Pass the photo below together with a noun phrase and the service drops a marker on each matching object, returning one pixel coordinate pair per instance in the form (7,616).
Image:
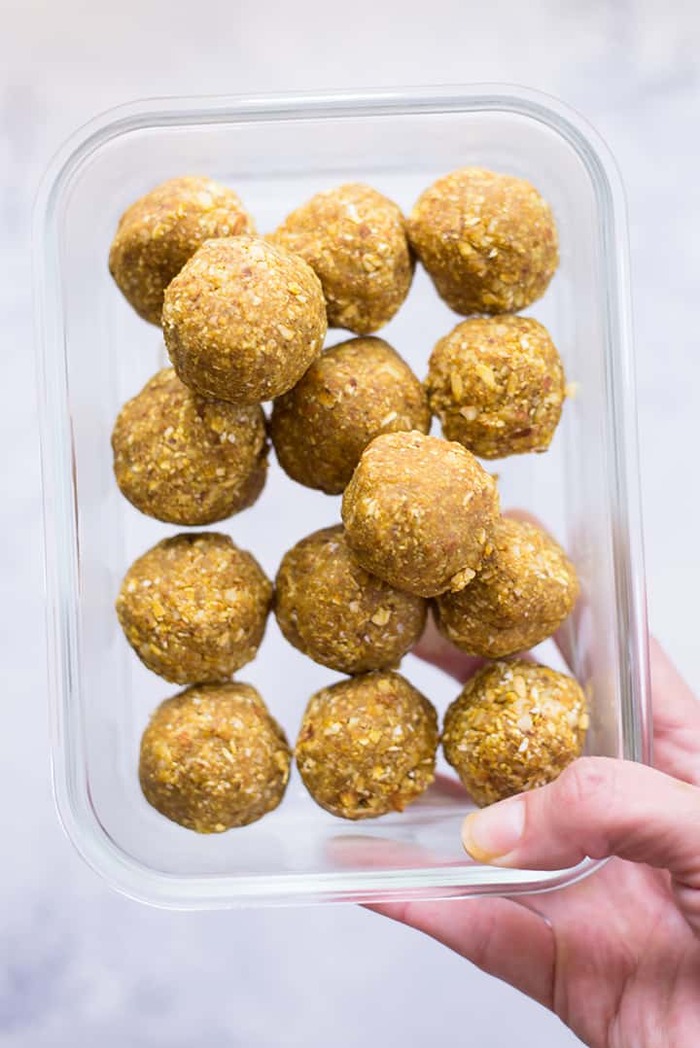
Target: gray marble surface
(80,965)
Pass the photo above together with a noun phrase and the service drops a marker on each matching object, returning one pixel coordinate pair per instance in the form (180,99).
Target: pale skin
(616,956)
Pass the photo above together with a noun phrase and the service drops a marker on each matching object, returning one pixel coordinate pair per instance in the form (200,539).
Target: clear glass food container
(95,353)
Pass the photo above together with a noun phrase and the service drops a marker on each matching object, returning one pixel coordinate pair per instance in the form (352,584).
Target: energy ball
(213,758)
(367,746)
(157,235)
(419,513)
(331,609)
(488,241)
(497,385)
(186,460)
(194,608)
(355,240)
(526,588)
(350,394)
(243,320)
(515,726)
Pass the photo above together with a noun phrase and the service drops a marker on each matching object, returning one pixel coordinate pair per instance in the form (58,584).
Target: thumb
(598,807)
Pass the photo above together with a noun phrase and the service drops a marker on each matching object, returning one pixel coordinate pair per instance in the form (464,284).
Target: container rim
(61,565)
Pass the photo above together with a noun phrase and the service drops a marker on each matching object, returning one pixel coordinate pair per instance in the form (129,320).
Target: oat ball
(515,725)
(526,588)
(213,758)
(488,241)
(350,394)
(355,240)
(158,233)
(419,512)
(338,614)
(497,385)
(243,320)
(194,608)
(184,459)
(367,746)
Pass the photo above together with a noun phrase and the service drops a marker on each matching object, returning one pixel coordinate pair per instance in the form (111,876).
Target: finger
(598,807)
(525,517)
(676,715)
(497,935)
(435,649)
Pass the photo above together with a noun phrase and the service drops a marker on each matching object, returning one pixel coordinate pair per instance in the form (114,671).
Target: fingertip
(492,835)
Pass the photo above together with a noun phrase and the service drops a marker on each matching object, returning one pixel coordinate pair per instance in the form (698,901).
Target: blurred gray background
(78,964)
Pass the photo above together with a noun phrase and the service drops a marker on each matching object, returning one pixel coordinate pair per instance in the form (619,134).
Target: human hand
(616,956)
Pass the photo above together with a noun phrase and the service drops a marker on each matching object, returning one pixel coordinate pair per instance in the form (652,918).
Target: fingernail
(491,834)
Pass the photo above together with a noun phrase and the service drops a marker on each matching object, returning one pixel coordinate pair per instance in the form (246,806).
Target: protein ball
(351,394)
(157,235)
(213,758)
(355,240)
(184,459)
(194,608)
(367,746)
(497,385)
(243,320)
(515,726)
(419,512)
(488,241)
(526,588)
(338,614)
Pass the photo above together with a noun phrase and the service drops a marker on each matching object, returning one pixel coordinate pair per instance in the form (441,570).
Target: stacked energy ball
(244,319)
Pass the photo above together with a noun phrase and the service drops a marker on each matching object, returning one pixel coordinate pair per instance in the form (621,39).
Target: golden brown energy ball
(350,394)
(367,746)
(419,512)
(355,240)
(213,758)
(194,608)
(497,385)
(338,614)
(243,320)
(158,233)
(526,588)
(184,459)
(516,725)
(488,241)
